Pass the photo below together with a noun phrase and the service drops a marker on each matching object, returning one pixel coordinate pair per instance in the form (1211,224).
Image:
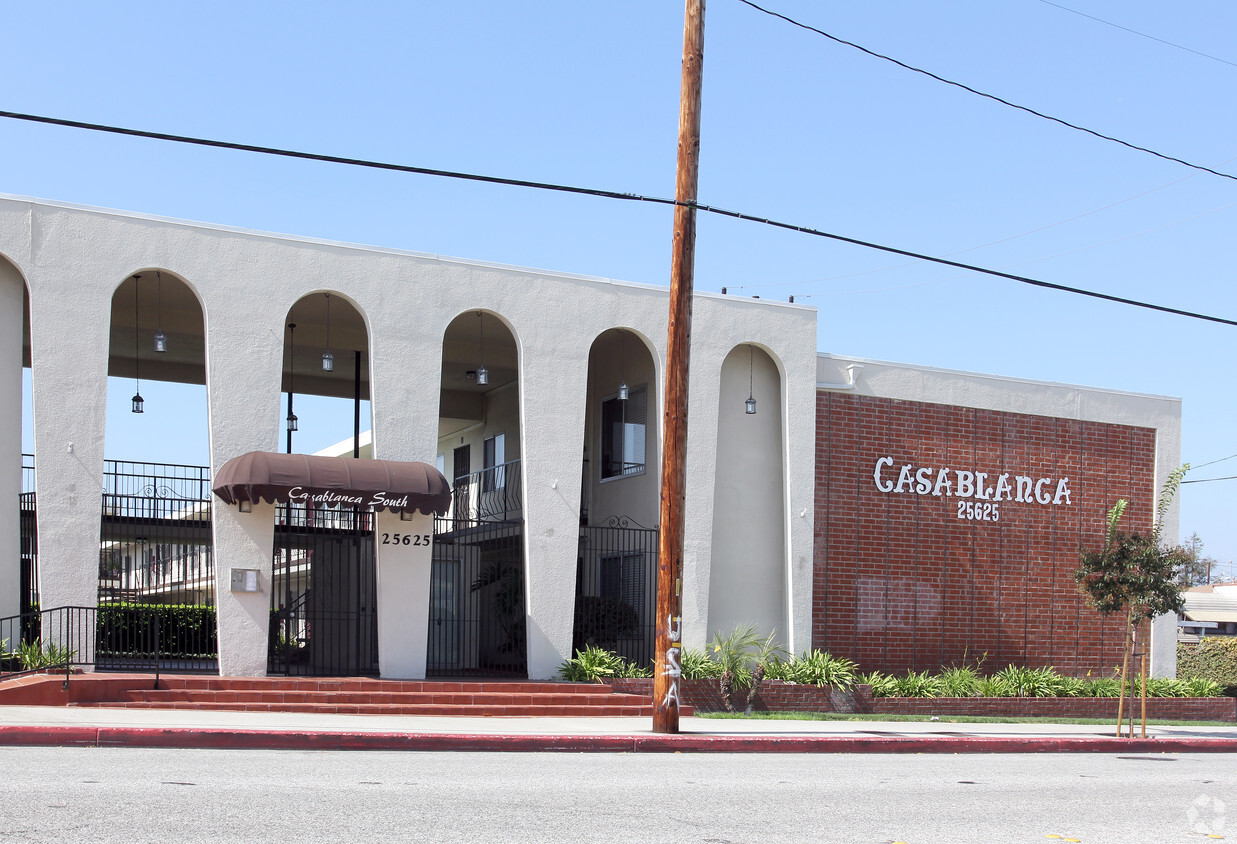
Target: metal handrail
(492,494)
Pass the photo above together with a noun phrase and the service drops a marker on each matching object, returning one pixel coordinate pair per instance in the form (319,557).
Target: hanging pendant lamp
(328,359)
(137,403)
(483,374)
(161,340)
(750,404)
(622,388)
(291,420)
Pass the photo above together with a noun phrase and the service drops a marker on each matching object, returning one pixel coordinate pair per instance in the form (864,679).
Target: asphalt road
(136,795)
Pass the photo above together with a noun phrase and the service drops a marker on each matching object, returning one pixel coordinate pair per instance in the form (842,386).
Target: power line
(1140,34)
(1209,480)
(993,97)
(607,194)
(1212,462)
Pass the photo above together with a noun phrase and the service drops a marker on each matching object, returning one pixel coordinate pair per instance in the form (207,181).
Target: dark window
(623,435)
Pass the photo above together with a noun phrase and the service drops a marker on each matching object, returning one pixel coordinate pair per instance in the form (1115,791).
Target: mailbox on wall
(245,580)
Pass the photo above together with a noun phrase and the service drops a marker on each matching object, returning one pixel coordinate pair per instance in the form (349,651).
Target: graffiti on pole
(673,668)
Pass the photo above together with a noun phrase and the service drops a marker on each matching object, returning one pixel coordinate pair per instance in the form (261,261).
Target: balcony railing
(491,495)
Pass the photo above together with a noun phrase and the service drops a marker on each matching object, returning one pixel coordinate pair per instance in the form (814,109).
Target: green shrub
(1030,682)
(602,621)
(883,685)
(590,665)
(185,630)
(1200,687)
(34,655)
(1213,658)
(1103,687)
(696,665)
(815,668)
(958,682)
(913,684)
(593,664)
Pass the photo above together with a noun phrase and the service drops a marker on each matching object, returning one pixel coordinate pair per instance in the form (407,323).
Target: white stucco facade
(72,260)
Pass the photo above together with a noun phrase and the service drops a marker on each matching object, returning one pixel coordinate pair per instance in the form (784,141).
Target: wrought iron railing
(491,495)
(47,641)
(170,481)
(156,566)
(616,589)
(27,473)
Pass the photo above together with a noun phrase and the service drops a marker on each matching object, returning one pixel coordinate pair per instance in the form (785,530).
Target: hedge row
(1212,658)
(129,630)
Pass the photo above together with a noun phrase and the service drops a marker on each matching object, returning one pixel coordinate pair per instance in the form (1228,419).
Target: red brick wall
(901,582)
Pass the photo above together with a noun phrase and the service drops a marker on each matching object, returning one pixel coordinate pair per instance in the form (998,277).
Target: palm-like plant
(731,653)
(764,655)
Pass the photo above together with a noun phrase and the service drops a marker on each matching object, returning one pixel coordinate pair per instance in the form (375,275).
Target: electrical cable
(1209,480)
(993,97)
(1140,34)
(1212,462)
(607,194)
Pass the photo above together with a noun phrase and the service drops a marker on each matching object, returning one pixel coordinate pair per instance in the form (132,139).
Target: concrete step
(351,695)
(542,698)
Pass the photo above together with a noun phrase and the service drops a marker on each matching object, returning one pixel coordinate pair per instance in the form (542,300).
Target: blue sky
(795,127)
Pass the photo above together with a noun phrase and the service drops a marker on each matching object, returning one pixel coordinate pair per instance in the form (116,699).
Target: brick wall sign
(947,535)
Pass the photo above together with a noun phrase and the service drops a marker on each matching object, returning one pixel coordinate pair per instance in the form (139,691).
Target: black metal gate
(323,598)
(477,615)
(156,568)
(29,531)
(616,589)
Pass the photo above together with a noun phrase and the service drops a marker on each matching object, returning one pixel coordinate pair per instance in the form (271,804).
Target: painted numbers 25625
(405,539)
(979,512)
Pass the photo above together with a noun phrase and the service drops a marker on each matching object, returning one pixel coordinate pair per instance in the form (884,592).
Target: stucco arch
(14,354)
(163,300)
(327,322)
(750,584)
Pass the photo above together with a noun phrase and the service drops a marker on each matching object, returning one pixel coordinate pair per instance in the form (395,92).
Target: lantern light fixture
(137,405)
(328,359)
(483,374)
(161,340)
(623,392)
(750,404)
(291,420)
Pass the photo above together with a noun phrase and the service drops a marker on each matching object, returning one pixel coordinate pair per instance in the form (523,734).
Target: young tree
(1135,575)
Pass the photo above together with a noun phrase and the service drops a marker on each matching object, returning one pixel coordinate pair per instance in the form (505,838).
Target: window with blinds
(623,434)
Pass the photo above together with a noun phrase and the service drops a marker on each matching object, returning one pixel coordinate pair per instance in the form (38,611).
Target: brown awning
(333,482)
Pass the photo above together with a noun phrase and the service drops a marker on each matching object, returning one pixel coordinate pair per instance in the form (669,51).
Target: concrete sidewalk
(102,727)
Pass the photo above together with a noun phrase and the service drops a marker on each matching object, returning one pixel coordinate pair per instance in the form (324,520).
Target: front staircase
(351,696)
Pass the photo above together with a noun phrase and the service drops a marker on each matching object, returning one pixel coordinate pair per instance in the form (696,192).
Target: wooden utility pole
(667,672)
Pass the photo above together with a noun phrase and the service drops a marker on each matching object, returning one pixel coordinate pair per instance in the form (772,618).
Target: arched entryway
(616,571)
(324,618)
(157,589)
(748,585)
(18,574)
(478,608)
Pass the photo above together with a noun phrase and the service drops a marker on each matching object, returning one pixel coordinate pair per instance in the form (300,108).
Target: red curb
(49,736)
(305,740)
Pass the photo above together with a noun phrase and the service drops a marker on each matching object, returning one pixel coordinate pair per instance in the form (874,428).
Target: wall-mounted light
(407,515)
(161,340)
(750,405)
(328,359)
(244,506)
(483,374)
(137,403)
